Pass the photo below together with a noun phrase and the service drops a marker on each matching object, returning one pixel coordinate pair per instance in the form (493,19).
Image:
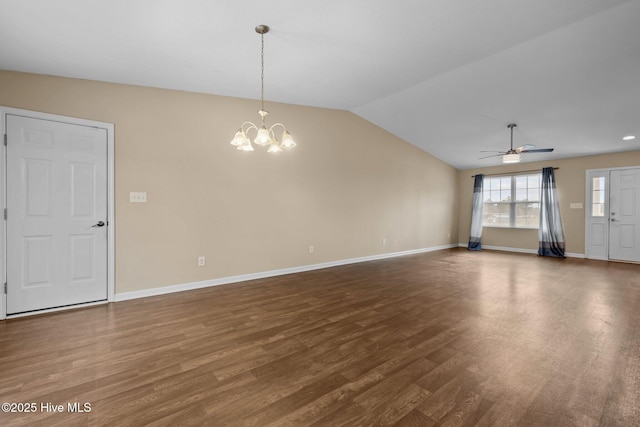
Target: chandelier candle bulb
(265,136)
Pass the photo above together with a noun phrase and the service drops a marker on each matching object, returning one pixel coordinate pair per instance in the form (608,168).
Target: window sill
(510,228)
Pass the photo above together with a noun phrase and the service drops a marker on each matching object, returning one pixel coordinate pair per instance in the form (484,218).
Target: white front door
(624,215)
(56,203)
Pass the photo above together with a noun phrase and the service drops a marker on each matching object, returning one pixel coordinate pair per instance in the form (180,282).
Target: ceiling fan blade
(493,155)
(493,151)
(539,150)
(524,148)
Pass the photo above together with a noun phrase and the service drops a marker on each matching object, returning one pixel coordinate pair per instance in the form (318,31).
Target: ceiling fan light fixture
(511,158)
(629,138)
(513,155)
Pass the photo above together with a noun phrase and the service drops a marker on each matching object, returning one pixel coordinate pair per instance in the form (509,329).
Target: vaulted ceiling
(444,75)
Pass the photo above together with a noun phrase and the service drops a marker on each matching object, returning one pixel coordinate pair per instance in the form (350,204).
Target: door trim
(587,235)
(109,128)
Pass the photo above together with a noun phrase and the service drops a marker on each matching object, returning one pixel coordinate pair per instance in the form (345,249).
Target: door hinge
(5,214)
(5,139)
(5,287)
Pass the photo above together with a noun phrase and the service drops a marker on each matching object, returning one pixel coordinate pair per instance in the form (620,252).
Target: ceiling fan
(513,154)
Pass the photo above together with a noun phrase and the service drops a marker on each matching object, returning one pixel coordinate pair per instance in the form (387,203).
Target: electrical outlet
(311,249)
(384,242)
(201,261)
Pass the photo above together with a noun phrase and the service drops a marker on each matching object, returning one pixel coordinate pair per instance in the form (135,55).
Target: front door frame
(109,127)
(591,173)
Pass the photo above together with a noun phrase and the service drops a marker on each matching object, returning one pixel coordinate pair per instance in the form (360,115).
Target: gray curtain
(550,234)
(476,215)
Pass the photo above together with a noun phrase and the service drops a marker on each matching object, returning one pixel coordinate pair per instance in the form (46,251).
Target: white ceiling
(444,75)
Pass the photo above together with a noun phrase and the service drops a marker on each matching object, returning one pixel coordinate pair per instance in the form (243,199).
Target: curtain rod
(513,173)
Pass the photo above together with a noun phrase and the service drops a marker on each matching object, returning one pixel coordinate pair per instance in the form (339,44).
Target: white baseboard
(598,258)
(124,296)
(520,250)
(574,255)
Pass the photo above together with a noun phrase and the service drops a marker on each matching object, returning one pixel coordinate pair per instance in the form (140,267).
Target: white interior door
(56,201)
(624,215)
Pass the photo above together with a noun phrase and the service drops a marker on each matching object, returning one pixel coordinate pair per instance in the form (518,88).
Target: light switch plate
(138,197)
(575,205)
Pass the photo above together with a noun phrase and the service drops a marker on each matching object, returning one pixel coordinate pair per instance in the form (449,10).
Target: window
(512,201)
(597,196)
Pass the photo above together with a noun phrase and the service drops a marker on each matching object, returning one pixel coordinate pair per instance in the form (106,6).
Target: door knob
(98,224)
(614,220)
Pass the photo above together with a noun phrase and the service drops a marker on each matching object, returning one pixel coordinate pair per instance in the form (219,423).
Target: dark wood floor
(444,338)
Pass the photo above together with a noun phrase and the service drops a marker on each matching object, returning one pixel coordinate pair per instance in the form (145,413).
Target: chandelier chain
(262,72)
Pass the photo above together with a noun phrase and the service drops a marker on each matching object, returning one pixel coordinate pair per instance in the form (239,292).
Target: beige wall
(570,182)
(348,184)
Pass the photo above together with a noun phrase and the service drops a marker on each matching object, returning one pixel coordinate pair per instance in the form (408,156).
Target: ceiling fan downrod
(511,126)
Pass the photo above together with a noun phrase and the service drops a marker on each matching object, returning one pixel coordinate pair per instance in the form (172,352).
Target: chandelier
(264,136)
